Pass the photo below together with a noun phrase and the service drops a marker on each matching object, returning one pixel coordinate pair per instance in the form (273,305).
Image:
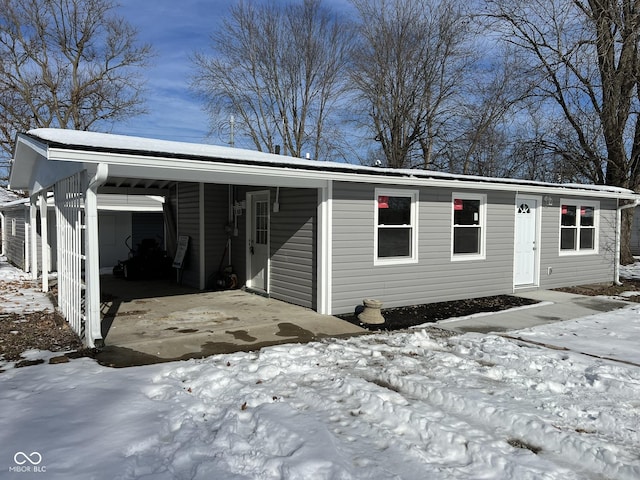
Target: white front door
(526,257)
(258,240)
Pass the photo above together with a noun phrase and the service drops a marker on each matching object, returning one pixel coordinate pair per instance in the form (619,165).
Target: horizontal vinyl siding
(216,210)
(293,242)
(435,277)
(16,243)
(188,220)
(569,270)
(635,232)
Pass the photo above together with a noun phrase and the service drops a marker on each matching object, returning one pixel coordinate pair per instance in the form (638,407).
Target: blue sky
(176,29)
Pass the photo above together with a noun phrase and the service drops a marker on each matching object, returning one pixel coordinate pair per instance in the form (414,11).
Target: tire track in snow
(444,443)
(387,406)
(481,411)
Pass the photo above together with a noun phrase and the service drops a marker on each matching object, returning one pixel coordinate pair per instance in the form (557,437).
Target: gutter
(616,267)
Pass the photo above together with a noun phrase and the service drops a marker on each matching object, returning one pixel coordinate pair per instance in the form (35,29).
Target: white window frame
(413,195)
(482,254)
(13,227)
(595,204)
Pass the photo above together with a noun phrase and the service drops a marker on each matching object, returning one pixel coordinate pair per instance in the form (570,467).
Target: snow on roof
(123,144)
(7,196)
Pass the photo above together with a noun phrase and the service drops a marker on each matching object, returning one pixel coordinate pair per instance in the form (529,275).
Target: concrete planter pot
(371,313)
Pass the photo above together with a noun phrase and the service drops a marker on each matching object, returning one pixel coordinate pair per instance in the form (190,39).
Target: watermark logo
(21,458)
(28,463)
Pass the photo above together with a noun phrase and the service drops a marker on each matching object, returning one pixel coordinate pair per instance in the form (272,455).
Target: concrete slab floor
(155,321)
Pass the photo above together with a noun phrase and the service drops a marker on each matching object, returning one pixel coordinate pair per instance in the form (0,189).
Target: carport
(225,200)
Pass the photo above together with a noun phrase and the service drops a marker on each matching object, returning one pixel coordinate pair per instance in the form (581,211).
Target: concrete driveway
(154,321)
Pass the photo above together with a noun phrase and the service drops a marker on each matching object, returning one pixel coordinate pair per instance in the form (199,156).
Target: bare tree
(584,57)
(278,68)
(480,139)
(408,65)
(68,64)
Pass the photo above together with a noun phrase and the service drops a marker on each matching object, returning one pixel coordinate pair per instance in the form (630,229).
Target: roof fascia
(27,151)
(166,167)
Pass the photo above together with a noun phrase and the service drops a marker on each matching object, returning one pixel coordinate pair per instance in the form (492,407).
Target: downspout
(616,268)
(92,262)
(3,228)
(44,241)
(33,237)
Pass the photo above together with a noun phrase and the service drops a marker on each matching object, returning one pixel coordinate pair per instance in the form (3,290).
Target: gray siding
(292,276)
(15,243)
(216,211)
(239,241)
(569,270)
(188,221)
(435,277)
(293,247)
(635,232)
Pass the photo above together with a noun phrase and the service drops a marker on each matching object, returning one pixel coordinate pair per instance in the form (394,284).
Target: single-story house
(322,235)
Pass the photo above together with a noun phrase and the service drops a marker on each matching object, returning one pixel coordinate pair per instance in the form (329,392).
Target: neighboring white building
(124,221)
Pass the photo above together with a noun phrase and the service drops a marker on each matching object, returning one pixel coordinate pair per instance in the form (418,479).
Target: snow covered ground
(400,405)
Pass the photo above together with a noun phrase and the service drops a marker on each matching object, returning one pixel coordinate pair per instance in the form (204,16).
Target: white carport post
(92,260)
(324,249)
(33,237)
(44,238)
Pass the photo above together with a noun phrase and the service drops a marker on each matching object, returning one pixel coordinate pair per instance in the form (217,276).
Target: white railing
(69,200)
